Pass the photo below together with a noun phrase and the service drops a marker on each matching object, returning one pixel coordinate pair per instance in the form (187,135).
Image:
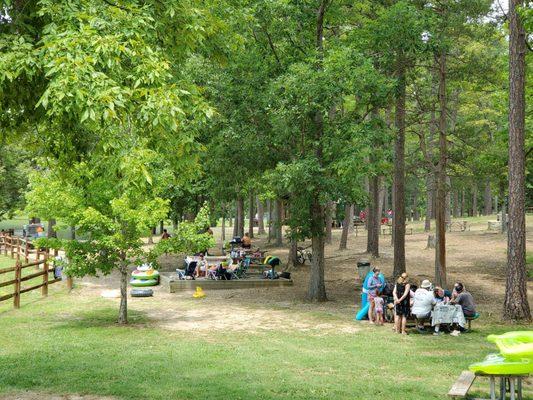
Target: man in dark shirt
(465,300)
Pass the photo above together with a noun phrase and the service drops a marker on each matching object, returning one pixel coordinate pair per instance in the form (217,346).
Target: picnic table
(461,225)
(448,314)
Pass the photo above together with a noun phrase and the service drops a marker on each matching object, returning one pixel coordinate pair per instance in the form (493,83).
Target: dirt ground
(476,257)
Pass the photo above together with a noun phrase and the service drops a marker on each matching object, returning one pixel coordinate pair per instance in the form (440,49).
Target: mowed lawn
(69,343)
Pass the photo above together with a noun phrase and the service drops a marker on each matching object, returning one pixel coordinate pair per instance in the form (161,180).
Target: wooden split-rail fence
(21,249)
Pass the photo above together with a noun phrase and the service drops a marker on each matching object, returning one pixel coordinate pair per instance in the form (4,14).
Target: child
(378,307)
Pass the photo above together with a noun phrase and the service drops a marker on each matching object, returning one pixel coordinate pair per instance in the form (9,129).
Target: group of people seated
(408,300)
(198,265)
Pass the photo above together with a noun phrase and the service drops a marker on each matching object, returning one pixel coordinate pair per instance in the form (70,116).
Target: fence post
(12,247)
(70,283)
(18,273)
(44,289)
(5,245)
(26,251)
(18,248)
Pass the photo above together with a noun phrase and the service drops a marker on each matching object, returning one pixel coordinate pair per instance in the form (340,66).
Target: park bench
(494,225)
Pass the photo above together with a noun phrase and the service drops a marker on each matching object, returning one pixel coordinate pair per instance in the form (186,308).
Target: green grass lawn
(68,343)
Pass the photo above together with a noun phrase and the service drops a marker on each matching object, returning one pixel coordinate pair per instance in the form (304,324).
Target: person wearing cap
(423,303)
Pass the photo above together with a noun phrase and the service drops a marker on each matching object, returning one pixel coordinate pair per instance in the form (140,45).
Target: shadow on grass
(100,318)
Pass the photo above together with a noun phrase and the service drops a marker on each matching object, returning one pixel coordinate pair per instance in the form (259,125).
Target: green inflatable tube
(514,345)
(144,275)
(495,364)
(143,282)
(516,356)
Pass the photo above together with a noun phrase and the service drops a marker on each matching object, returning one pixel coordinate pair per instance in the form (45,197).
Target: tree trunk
(367,190)
(487,198)
(330,210)
(270,231)
(429,201)
(293,253)
(474,200)
(351,227)
(236,222)
(372,244)
(317,287)
(279,223)
(223,234)
(416,212)
(516,305)
(72,235)
(348,220)
(251,214)
(260,218)
(448,199)
(399,172)
(382,194)
(463,202)
(385,196)
(504,216)
(440,248)
(456,205)
(51,233)
(161,227)
(496,204)
(123,309)
(240,214)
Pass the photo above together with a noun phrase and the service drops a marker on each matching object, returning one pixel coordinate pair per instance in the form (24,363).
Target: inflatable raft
(516,356)
(147,274)
(143,282)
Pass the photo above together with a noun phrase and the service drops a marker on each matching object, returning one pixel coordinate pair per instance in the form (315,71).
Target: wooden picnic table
(462,225)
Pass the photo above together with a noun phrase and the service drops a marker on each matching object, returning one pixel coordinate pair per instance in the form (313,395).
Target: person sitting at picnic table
(423,303)
(246,241)
(401,303)
(165,234)
(465,300)
(374,287)
(441,297)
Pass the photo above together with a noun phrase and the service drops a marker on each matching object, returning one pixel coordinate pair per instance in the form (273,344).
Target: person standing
(401,294)
(373,289)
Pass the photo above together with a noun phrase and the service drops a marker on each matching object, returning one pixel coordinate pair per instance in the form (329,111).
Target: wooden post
(44,289)
(5,245)
(26,252)
(16,297)
(70,284)
(12,247)
(37,256)
(18,248)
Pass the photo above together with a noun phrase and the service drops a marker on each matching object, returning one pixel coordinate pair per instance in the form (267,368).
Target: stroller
(388,300)
(189,270)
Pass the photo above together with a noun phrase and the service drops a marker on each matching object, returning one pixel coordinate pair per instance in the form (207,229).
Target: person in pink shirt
(378,308)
